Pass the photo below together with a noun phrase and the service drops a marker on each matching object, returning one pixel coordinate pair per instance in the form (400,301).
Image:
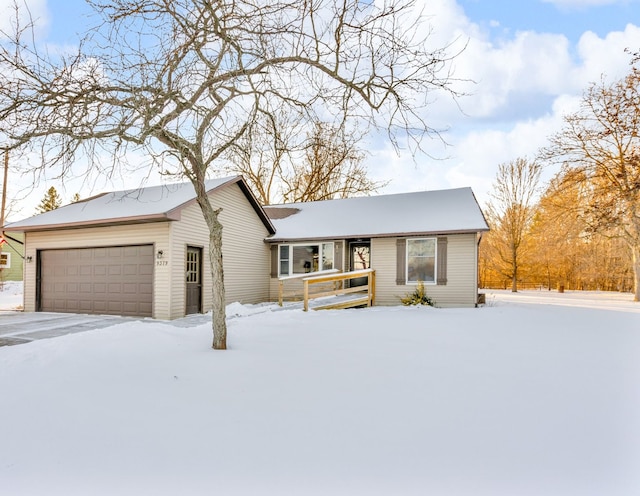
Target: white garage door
(113,280)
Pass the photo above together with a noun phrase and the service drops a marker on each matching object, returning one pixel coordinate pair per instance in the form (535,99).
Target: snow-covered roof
(425,212)
(148,204)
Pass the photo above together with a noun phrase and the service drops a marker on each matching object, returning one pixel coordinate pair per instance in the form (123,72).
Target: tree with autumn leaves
(584,232)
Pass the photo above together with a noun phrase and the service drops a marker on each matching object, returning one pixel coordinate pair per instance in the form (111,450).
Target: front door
(359,259)
(194,280)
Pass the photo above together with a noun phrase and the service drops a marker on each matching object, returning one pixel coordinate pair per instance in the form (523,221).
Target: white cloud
(525,84)
(29,11)
(606,56)
(525,68)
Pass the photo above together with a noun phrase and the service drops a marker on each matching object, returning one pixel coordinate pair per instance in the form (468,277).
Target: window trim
(319,245)
(435,261)
(7,264)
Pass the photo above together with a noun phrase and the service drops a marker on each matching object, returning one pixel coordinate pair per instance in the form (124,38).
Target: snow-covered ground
(11,295)
(525,396)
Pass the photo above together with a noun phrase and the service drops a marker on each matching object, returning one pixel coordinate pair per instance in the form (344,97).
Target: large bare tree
(288,162)
(186,79)
(510,213)
(599,147)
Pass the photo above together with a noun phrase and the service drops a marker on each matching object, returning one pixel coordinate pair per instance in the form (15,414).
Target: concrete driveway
(20,327)
(23,327)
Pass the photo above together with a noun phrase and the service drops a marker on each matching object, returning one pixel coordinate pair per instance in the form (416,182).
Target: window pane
(421,269)
(421,260)
(284,267)
(284,260)
(421,247)
(305,259)
(327,256)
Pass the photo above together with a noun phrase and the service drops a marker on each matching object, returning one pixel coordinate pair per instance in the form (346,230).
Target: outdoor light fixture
(159,255)
(29,259)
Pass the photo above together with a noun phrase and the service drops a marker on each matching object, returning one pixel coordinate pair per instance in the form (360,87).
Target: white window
(421,260)
(5,260)
(302,259)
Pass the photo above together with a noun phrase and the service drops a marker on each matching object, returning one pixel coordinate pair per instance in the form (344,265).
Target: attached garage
(145,252)
(112,280)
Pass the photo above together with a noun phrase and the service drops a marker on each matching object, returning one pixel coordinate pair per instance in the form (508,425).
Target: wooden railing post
(372,283)
(280,291)
(306,295)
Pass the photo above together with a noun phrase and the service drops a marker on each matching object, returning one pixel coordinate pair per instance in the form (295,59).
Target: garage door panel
(130,269)
(145,289)
(106,280)
(146,270)
(85,306)
(130,288)
(99,306)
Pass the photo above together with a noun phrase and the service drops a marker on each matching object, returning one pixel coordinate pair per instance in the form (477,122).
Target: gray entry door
(194,280)
(111,280)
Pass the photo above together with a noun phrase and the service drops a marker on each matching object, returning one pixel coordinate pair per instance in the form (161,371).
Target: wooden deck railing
(293,295)
(334,279)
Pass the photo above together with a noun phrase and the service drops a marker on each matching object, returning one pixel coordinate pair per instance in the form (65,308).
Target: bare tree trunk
(514,279)
(635,258)
(219,318)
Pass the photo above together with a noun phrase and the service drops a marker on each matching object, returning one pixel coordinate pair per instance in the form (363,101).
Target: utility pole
(4,186)
(4,204)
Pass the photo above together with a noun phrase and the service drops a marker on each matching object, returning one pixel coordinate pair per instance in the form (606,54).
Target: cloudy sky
(529,61)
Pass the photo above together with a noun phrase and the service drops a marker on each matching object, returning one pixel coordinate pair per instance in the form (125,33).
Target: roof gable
(426,212)
(134,206)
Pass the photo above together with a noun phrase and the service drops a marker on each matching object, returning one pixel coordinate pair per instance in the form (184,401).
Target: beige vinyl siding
(246,259)
(461,288)
(190,230)
(292,287)
(153,233)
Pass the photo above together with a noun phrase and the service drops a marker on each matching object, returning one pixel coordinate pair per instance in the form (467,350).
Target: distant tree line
(583,232)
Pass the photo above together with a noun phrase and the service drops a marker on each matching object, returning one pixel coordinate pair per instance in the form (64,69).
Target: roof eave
(276,239)
(141,219)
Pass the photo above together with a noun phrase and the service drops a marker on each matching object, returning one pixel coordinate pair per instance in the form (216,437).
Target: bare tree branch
(187,79)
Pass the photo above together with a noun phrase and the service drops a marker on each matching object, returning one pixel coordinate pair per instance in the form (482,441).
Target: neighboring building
(429,236)
(144,252)
(11,256)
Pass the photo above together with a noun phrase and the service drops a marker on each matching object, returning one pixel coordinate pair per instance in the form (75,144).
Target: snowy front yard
(526,396)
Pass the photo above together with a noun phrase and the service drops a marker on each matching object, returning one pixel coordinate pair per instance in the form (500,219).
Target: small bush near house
(418,297)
